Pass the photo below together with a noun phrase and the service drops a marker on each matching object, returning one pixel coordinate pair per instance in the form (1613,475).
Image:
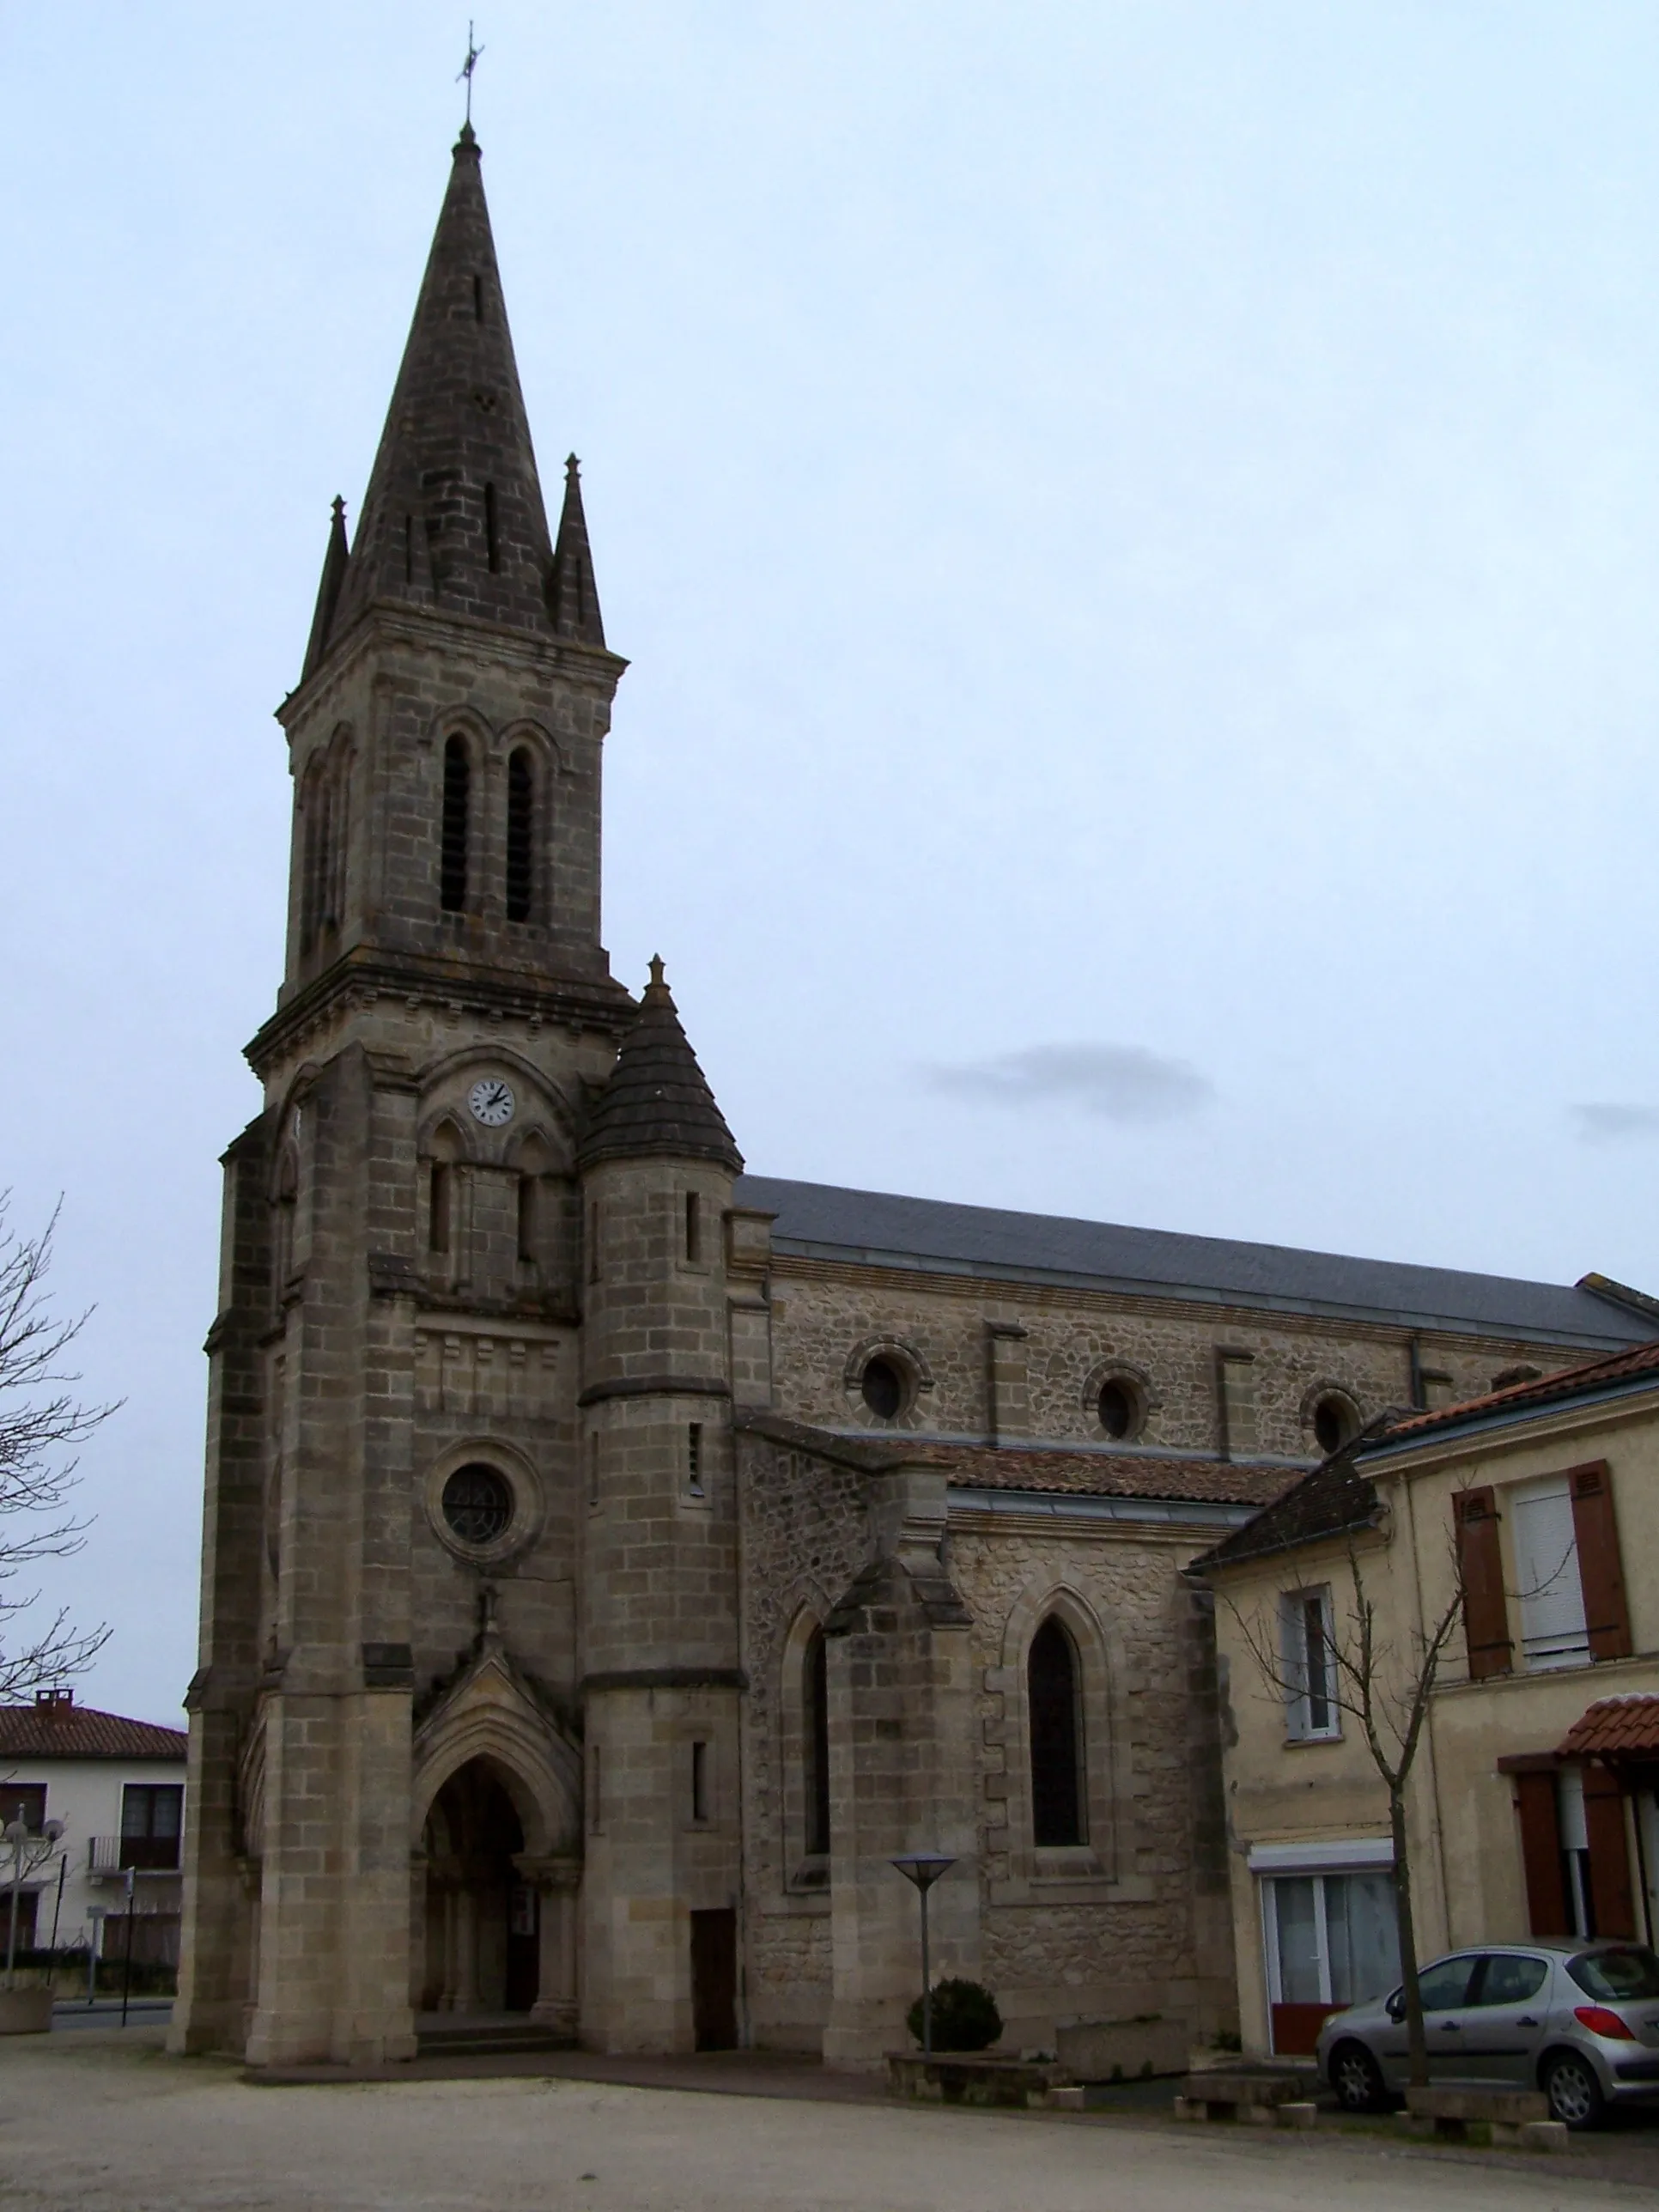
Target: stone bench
(957,2078)
(1519,2119)
(1261,2097)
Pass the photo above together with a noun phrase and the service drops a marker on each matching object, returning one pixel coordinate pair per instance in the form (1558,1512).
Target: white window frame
(1293,1605)
(1547,1651)
(1271,1864)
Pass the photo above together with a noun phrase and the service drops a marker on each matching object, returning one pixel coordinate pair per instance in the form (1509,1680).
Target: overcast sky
(1136,527)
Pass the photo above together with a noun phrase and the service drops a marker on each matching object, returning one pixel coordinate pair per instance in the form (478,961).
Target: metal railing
(145,1854)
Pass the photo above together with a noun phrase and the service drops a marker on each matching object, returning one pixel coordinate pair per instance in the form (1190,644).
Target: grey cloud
(1119,1082)
(1611,1125)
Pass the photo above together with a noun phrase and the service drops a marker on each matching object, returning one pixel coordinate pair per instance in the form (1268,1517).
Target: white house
(118,1788)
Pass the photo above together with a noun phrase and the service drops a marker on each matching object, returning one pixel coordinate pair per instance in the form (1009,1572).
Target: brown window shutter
(1600,1569)
(1604,1823)
(1541,1854)
(1486,1609)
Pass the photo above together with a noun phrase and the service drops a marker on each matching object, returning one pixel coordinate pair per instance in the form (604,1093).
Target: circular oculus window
(1119,1407)
(479,1503)
(882,1386)
(1332,1423)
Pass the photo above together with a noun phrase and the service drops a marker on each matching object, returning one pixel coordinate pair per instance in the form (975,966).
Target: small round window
(1332,1423)
(1119,1407)
(882,1386)
(477,1503)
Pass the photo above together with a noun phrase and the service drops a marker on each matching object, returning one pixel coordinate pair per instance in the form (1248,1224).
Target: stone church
(613,1559)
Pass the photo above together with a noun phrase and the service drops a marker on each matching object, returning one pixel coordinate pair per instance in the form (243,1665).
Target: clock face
(491,1101)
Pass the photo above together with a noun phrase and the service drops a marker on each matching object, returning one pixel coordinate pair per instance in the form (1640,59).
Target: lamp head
(923,1867)
(16,1832)
(53,1831)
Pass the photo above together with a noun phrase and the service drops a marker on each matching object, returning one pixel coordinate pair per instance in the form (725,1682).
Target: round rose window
(477,1503)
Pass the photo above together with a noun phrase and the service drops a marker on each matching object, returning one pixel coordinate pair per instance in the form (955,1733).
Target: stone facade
(604,1579)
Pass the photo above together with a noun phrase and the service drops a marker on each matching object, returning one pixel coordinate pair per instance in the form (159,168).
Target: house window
(1056,1775)
(1332,1940)
(693,1227)
(815,1737)
(1310,1706)
(25,1801)
(152,1817)
(1554,1629)
(694,1458)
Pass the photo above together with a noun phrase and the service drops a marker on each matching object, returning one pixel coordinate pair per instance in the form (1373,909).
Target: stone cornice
(395,621)
(368,972)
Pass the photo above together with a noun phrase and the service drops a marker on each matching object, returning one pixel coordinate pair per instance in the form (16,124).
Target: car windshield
(1630,1972)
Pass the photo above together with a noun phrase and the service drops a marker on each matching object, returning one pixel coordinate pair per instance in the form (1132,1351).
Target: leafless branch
(41,1421)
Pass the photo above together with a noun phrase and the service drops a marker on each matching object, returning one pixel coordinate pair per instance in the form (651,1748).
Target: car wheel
(1575,2095)
(1356,2079)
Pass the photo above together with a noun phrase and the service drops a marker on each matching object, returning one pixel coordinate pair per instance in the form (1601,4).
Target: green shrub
(965,2017)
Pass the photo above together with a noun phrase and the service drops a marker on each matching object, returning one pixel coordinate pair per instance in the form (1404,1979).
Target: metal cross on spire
(467,68)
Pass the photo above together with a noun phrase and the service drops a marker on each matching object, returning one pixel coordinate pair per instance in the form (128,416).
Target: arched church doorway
(483,1934)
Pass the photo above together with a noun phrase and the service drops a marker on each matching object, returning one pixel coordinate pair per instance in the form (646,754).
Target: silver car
(1578,2021)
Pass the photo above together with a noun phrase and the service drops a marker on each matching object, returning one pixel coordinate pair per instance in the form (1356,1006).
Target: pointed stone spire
(328,590)
(454,516)
(657,1103)
(573,597)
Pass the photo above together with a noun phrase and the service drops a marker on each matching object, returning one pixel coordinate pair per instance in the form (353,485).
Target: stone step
(489,2039)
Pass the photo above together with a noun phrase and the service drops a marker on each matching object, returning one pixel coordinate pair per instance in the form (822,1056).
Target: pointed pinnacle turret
(454,516)
(573,597)
(328,590)
(657,1103)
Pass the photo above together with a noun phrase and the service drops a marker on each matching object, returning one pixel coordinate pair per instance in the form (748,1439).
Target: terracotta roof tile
(1615,1727)
(1050,1469)
(1329,1500)
(1639,1363)
(66,1731)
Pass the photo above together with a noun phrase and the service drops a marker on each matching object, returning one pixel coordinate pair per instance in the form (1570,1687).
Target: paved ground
(106,2124)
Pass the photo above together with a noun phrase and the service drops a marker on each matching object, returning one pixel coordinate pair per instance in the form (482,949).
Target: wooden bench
(1260,2096)
(1519,2119)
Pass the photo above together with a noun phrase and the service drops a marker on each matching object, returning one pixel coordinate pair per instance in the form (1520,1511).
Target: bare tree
(1384,1684)
(40,1422)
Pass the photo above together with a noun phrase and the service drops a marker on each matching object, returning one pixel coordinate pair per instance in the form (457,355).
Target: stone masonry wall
(823,1314)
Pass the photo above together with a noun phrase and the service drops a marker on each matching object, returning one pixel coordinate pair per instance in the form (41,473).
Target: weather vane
(467,68)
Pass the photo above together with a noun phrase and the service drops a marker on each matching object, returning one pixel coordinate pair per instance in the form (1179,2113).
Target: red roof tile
(66,1731)
(1081,1473)
(1640,1363)
(1615,1727)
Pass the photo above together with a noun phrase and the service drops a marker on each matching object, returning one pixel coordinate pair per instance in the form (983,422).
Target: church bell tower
(389,1738)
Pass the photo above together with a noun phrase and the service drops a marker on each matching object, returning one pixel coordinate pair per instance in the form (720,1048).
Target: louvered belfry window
(451,859)
(520,835)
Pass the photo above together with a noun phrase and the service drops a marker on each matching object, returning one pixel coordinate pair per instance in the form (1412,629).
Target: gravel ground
(106,2124)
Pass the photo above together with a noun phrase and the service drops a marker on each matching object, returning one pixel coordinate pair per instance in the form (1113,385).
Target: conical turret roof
(454,516)
(657,1103)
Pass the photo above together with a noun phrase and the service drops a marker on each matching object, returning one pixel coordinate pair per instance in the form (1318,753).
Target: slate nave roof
(881,1229)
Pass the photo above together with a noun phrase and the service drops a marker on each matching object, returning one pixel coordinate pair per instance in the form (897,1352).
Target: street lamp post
(924,1869)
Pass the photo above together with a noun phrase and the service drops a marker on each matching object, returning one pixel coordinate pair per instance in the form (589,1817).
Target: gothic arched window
(1051,1676)
(520,834)
(815,1741)
(452,856)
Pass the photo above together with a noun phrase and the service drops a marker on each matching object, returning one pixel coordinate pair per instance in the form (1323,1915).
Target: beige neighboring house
(117,1786)
(1531,1805)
